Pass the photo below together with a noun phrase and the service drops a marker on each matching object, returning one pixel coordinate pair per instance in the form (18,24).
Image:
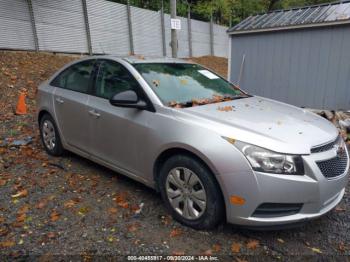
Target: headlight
(264,160)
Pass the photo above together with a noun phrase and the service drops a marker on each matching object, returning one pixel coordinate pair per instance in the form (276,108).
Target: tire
(198,215)
(48,127)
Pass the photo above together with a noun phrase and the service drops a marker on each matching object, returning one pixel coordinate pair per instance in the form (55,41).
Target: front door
(117,134)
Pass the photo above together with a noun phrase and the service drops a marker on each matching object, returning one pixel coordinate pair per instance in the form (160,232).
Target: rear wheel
(190,192)
(50,136)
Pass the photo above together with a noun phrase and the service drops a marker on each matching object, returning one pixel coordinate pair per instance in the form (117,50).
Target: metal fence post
(131,38)
(32,20)
(163,29)
(211,29)
(87,27)
(189,29)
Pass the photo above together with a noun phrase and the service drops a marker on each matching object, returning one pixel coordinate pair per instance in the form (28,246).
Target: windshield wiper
(240,96)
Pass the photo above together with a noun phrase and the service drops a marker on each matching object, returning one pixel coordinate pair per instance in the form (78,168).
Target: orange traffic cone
(21,104)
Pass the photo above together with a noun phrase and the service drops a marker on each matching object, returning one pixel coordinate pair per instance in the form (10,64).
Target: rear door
(71,96)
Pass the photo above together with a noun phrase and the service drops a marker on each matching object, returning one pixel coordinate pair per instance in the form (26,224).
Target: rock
(340,115)
(329,114)
(22,142)
(345,123)
(138,211)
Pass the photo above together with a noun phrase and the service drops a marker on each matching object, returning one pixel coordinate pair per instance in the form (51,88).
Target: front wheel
(190,192)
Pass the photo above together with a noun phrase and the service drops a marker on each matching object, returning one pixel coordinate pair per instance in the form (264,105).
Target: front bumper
(317,194)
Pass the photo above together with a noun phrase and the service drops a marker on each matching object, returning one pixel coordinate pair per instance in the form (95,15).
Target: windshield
(184,85)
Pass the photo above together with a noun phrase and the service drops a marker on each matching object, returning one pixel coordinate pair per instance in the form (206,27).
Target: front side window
(185,85)
(76,77)
(113,78)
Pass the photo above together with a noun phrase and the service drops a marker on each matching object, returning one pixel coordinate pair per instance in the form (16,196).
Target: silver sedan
(214,152)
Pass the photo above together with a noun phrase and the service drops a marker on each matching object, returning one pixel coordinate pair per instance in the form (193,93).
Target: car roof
(138,59)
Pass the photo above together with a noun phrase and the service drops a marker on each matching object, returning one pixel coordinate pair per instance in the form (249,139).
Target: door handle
(94,113)
(59,100)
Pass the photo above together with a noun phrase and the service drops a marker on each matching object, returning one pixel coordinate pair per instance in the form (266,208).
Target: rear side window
(113,78)
(76,77)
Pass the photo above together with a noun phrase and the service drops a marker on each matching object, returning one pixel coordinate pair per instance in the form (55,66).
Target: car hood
(266,123)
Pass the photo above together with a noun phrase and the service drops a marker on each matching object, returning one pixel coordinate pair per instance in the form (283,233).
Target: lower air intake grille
(277,209)
(333,167)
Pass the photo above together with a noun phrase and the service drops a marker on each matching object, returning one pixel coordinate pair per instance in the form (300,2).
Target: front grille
(326,147)
(277,209)
(333,167)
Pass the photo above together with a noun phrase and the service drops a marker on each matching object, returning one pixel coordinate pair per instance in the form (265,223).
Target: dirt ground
(69,206)
(217,64)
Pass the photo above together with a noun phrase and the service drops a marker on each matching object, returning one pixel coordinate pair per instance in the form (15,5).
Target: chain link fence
(99,26)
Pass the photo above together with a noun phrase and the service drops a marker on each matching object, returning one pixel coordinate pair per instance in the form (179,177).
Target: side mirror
(129,99)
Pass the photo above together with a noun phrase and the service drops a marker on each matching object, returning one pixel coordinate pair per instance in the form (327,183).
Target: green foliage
(225,12)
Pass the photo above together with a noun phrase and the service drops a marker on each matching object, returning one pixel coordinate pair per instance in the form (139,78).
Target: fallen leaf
(7,244)
(52,197)
(216,247)
(280,240)
(41,204)
(112,210)
(156,82)
(2,220)
(166,220)
(208,252)
(110,239)
(316,250)
(225,108)
(175,232)
(21,217)
(83,211)
(236,247)
(132,228)
(3,182)
(241,259)
(341,247)
(124,205)
(178,253)
(17,224)
(253,244)
(23,209)
(54,216)
(22,193)
(4,231)
(340,209)
(183,81)
(51,235)
(69,203)
(121,201)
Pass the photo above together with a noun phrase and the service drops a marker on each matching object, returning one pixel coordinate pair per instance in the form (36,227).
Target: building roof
(310,16)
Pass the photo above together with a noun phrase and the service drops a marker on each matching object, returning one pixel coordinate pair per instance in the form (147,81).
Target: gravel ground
(72,206)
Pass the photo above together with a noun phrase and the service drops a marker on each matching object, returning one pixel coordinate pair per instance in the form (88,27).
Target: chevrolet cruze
(213,151)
